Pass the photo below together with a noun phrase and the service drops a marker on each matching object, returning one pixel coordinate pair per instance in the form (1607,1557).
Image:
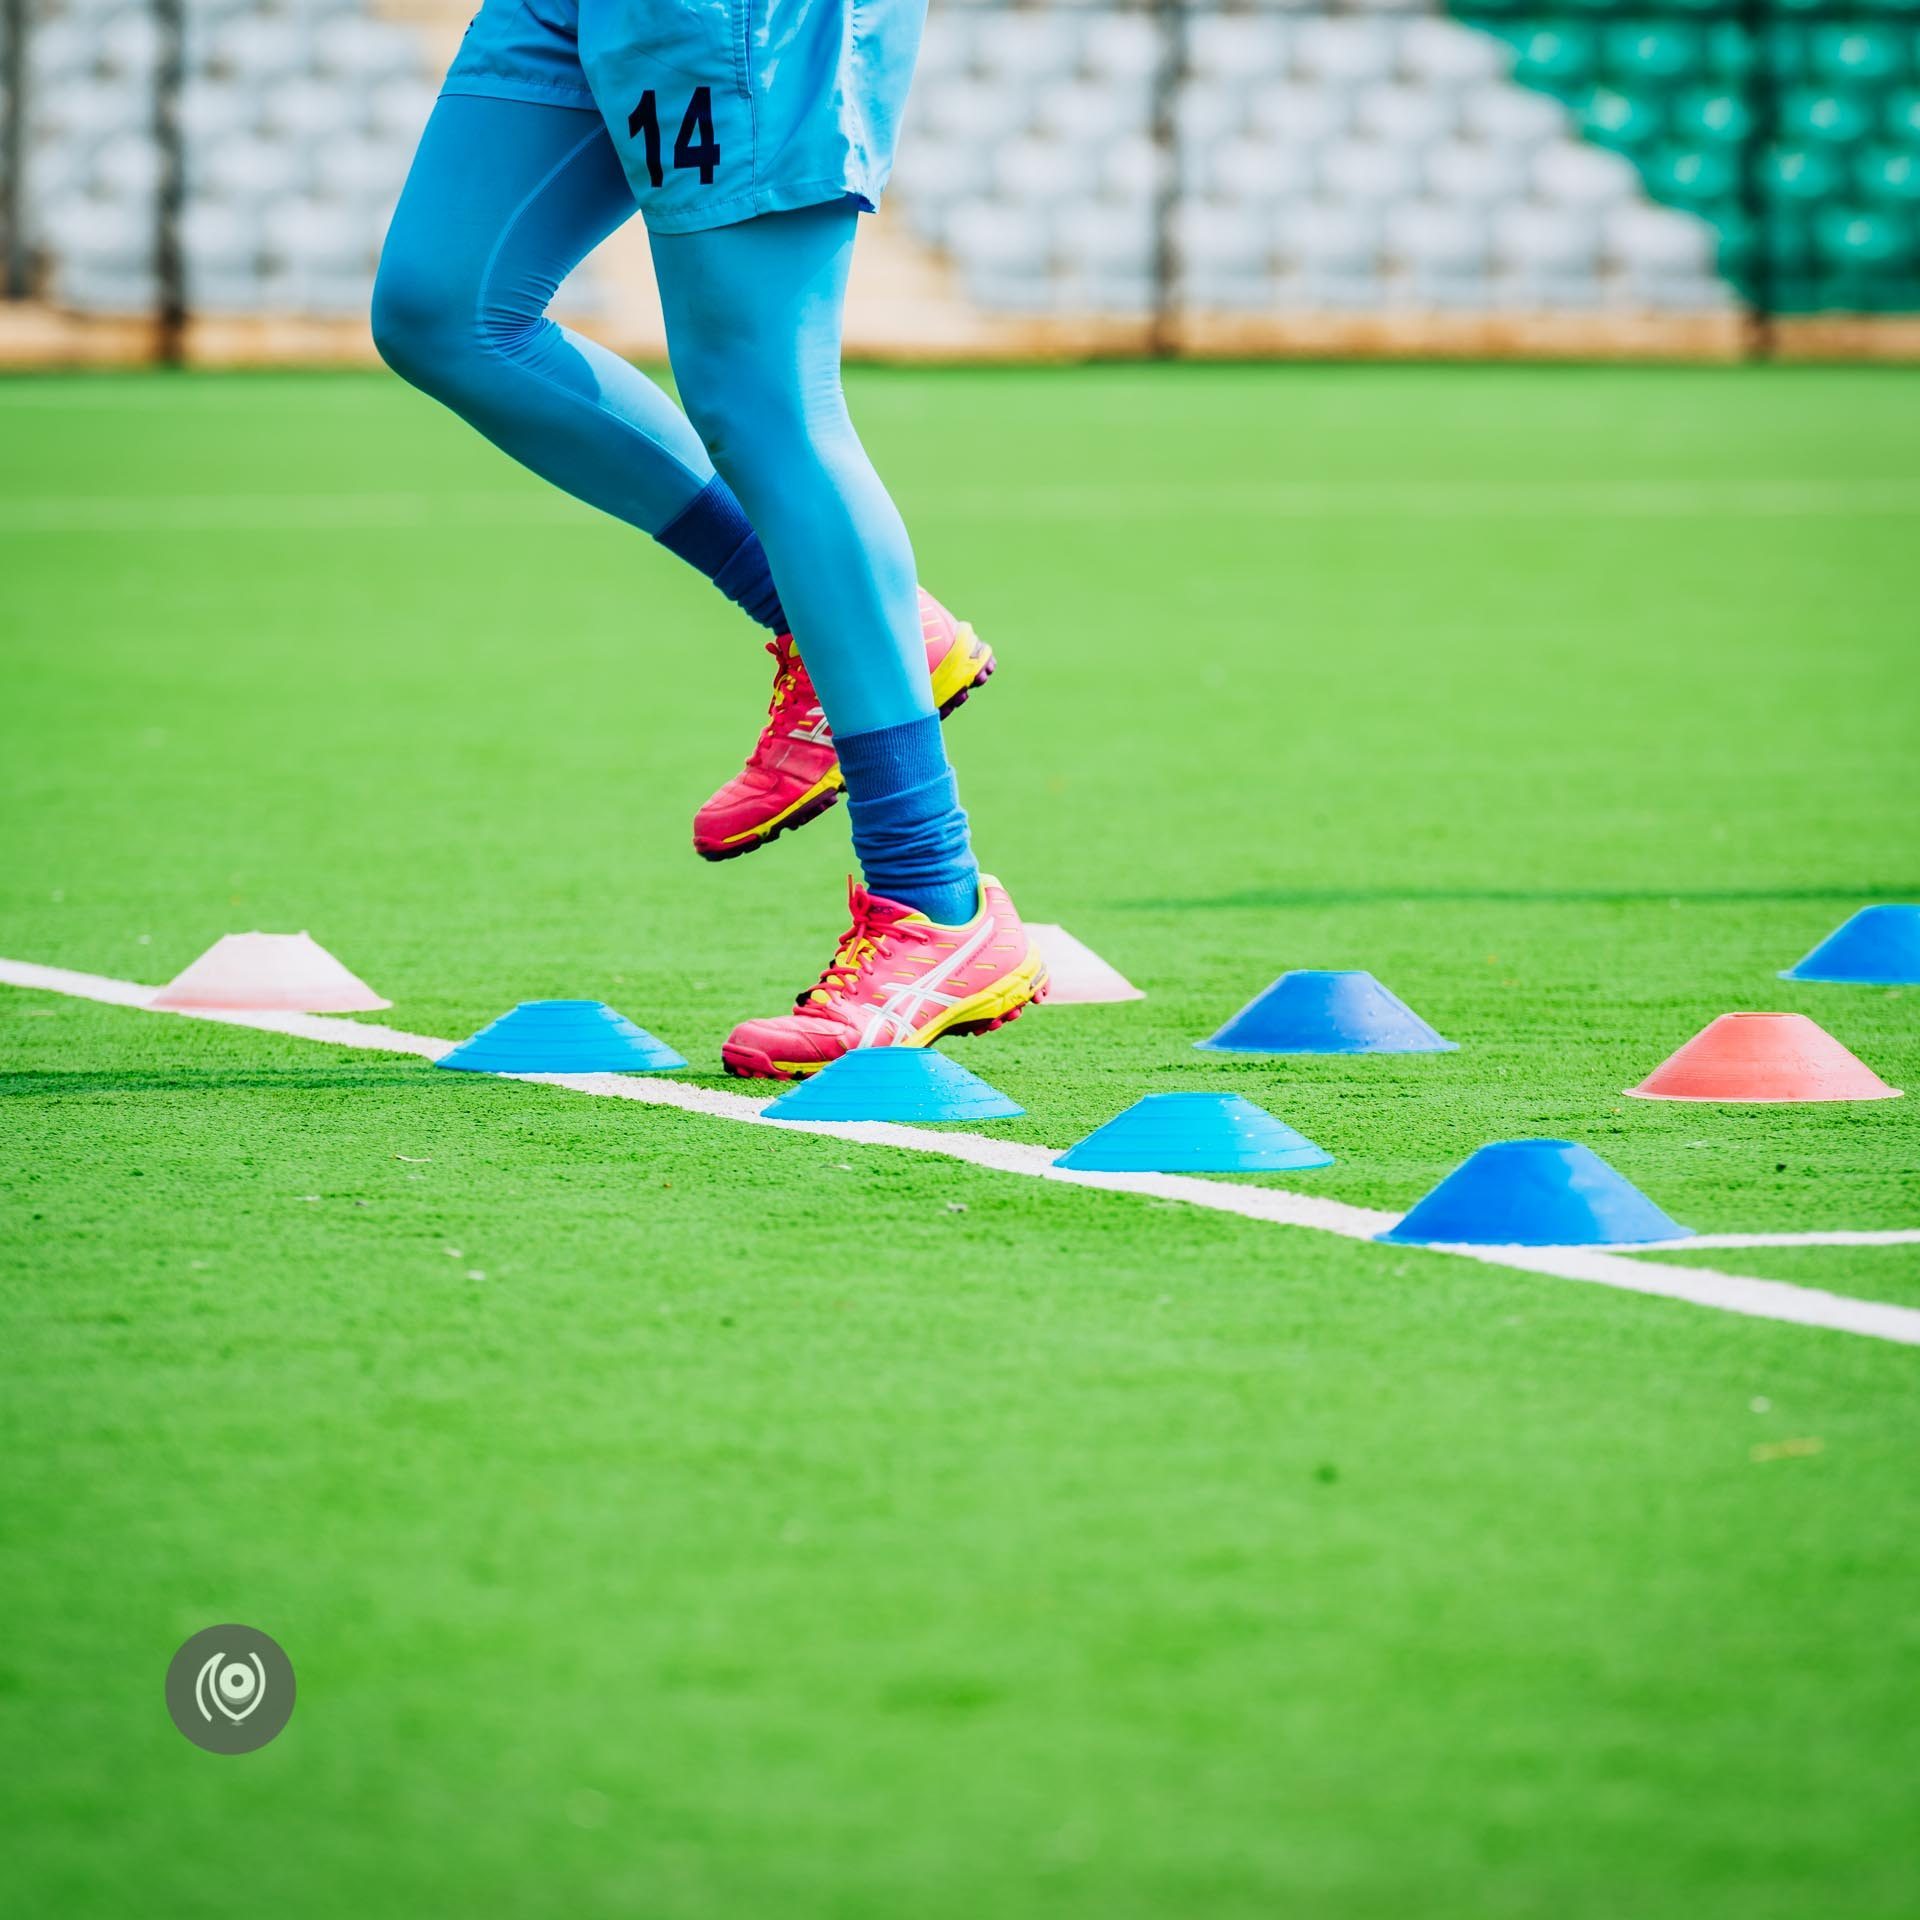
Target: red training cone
(1763,1056)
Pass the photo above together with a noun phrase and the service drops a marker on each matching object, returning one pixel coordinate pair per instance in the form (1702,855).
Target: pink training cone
(1080,978)
(1763,1056)
(268,973)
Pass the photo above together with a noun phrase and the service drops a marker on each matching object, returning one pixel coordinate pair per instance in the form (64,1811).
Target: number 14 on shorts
(693,146)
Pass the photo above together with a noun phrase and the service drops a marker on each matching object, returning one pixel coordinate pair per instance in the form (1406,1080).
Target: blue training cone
(1535,1193)
(1311,1010)
(893,1083)
(1194,1133)
(1877,947)
(563,1036)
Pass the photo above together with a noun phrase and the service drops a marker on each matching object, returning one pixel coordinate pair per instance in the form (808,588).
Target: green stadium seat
(1854,239)
(1800,174)
(1626,121)
(1857,53)
(1712,117)
(1648,52)
(1699,179)
(1902,117)
(1785,52)
(1730,52)
(1889,176)
(1556,58)
(1807,116)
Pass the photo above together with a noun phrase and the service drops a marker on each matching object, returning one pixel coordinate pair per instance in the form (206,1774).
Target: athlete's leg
(753,316)
(505,198)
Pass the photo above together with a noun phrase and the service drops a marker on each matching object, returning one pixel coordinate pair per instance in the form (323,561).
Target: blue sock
(909,833)
(714,536)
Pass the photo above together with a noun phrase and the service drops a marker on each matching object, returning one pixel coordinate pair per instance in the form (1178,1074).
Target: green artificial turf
(667,1519)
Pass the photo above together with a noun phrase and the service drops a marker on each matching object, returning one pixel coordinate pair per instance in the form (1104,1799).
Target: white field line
(1702,1286)
(1784,499)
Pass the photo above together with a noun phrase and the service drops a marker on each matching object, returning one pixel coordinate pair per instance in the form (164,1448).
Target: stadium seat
(1403,115)
(1804,174)
(1133,168)
(1889,177)
(1807,116)
(1568,174)
(1329,240)
(1629,122)
(1111,240)
(1693,176)
(1470,173)
(1299,115)
(1509,117)
(1846,55)
(363,50)
(947,42)
(985,111)
(1659,240)
(1223,236)
(221,249)
(1258,171)
(362,167)
(128,43)
(1450,244)
(1648,53)
(1092,111)
(1345,50)
(1902,116)
(1236,47)
(1560,58)
(247,169)
(127,167)
(1852,238)
(1443,53)
(259,48)
(1545,241)
(1368,173)
(212,109)
(1029,46)
(1123,45)
(1045,171)
(1712,116)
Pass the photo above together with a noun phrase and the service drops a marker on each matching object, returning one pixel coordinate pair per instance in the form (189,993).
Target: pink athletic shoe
(897,980)
(793,773)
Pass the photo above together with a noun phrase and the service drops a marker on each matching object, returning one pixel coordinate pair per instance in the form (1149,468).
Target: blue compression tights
(504,200)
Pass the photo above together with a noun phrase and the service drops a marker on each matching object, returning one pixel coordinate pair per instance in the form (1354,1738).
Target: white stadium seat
(1403,115)
(1237,47)
(1029,46)
(247,168)
(1047,171)
(1545,239)
(1367,172)
(1134,168)
(1510,117)
(1353,51)
(1258,170)
(1298,115)
(1125,45)
(127,167)
(1442,52)
(1474,174)
(1570,175)
(1659,240)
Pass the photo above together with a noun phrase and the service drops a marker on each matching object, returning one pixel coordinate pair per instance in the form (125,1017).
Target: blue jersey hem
(496,86)
(749,206)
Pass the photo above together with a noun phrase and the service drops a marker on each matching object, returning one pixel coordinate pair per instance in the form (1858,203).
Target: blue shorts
(721,109)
